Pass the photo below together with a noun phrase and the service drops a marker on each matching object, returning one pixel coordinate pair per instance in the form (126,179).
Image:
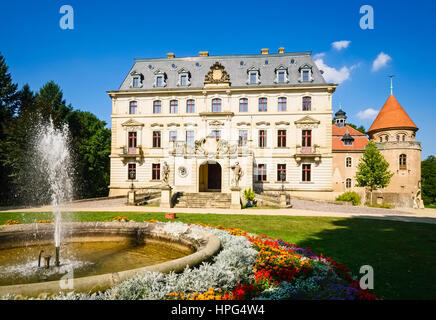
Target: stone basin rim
(205,244)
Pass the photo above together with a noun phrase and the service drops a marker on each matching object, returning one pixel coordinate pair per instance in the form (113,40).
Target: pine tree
(372,171)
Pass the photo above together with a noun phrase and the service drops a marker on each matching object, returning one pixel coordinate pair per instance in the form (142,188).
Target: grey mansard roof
(199,66)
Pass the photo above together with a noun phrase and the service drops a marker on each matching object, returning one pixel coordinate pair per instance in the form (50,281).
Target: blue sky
(96,55)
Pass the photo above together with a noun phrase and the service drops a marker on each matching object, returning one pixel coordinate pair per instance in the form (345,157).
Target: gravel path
(331,207)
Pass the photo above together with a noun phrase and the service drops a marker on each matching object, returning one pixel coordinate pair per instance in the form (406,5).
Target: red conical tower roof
(392,115)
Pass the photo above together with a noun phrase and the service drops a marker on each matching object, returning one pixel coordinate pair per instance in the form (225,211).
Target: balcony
(127,154)
(311,152)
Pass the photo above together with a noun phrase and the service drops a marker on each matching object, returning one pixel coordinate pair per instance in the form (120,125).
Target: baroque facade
(202,116)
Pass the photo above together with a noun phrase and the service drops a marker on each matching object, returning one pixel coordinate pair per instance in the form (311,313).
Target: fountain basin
(195,248)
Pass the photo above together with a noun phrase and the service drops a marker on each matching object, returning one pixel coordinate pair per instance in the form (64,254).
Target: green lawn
(431,206)
(403,255)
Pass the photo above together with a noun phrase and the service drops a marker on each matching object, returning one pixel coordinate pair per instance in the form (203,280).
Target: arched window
(348,162)
(174,106)
(190,106)
(243,105)
(386,138)
(216,105)
(263,106)
(157,106)
(307,103)
(348,183)
(282,104)
(133,107)
(403,161)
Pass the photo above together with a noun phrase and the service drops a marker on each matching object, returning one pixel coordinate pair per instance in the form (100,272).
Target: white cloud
(381,61)
(334,75)
(319,56)
(367,114)
(339,45)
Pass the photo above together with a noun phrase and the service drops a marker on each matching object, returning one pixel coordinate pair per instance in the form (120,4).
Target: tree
(360,128)
(372,171)
(8,103)
(428,176)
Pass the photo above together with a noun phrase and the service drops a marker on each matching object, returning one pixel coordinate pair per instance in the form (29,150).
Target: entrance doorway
(210,177)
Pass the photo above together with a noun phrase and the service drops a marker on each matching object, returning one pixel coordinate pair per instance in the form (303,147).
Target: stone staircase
(203,200)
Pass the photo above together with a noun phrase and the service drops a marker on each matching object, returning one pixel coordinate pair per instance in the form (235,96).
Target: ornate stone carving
(165,173)
(237,174)
(217,74)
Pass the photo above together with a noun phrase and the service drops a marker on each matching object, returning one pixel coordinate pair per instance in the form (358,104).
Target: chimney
(203,53)
(264,51)
(171,55)
(281,50)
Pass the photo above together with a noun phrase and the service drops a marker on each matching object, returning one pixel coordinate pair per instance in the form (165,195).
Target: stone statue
(237,172)
(165,173)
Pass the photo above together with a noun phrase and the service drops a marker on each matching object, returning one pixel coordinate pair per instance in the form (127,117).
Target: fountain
(100,253)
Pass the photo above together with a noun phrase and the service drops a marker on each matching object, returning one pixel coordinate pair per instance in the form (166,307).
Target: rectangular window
(261,172)
(131,174)
(281,77)
(173,135)
(183,80)
(216,134)
(155,174)
(157,106)
(281,172)
(243,136)
(243,105)
(281,139)
(307,103)
(132,142)
(135,82)
(306,172)
(263,104)
(262,138)
(253,78)
(133,107)
(174,106)
(306,141)
(156,139)
(190,106)
(306,75)
(282,104)
(216,105)
(159,81)
(190,138)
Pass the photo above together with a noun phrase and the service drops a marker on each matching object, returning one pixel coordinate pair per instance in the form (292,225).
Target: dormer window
(137,79)
(253,76)
(306,73)
(281,74)
(184,78)
(160,79)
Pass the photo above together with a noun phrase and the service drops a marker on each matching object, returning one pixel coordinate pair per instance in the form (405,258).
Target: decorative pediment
(262,123)
(217,74)
(132,123)
(305,66)
(253,68)
(159,72)
(243,124)
(307,122)
(156,125)
(281,68)
(190,124)
(172,124)
(282,123)
(183,70)
(216,123)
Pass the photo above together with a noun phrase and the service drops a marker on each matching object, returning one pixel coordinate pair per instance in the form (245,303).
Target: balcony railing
(131,153)
(307,152)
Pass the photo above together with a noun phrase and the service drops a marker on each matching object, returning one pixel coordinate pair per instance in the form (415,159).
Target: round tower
(395,134)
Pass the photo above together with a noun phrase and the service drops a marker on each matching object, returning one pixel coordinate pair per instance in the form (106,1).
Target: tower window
(348,162)
(403,162)
(348,183)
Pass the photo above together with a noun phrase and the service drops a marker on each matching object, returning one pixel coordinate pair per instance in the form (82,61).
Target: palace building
(209,125)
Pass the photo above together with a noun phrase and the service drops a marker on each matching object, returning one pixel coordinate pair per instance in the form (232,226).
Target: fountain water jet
(53,153)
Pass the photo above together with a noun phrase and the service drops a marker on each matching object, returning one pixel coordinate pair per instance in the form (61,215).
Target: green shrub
(383,206)
(249,194)
(350,196)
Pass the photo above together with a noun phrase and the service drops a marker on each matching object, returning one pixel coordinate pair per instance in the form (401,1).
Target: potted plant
(249,196)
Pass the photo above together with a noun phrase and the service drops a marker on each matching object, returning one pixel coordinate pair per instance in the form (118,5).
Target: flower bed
(247,267)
